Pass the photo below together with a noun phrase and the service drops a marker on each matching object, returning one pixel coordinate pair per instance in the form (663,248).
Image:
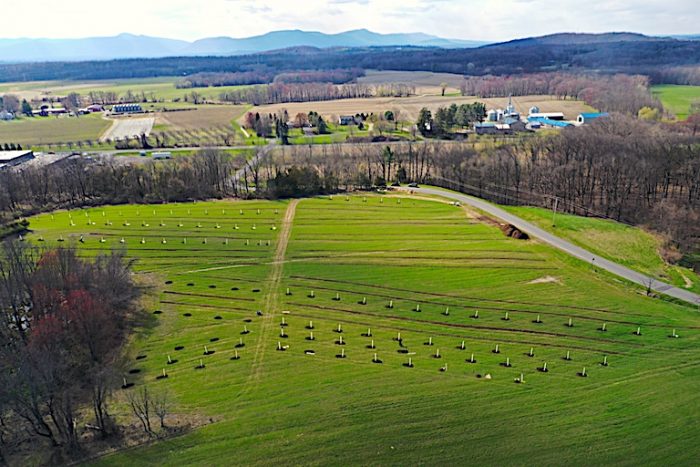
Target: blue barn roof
(592,115)
(547,121)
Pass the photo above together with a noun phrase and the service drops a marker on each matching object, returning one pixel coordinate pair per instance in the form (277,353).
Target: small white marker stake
(170,360)
(462,346)
(447,311)
(532,352)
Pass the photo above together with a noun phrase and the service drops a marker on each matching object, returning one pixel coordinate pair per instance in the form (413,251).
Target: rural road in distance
(568,247)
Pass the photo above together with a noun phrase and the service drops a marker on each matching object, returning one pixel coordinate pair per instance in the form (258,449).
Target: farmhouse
(91,109)
(489,128)
(14,158)
(47,110)
(584,118)
(346,120)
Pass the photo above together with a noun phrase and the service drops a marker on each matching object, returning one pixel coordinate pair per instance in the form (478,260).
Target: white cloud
(464,19)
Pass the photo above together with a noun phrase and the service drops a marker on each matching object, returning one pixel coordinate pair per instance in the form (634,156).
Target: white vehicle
(161,155)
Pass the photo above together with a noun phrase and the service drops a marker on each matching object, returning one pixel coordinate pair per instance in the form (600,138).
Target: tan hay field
(202,118)
(409,107)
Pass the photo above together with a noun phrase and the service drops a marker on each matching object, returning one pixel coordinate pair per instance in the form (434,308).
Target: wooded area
(64,321)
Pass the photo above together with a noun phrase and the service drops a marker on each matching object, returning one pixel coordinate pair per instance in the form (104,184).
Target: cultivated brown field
(202,118)
(409,107)
(424,81)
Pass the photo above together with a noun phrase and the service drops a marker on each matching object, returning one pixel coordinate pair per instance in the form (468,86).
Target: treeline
(615,93)
(77,182)
(300,92)
(337,76)
(634,171)
(528,56)
(266,76)
(621,168)
(64,322)
(684,75)
(207,79)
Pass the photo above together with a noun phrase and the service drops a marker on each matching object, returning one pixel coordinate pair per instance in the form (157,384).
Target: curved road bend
(566,246)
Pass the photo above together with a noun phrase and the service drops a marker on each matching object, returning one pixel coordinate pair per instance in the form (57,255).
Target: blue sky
(463,19)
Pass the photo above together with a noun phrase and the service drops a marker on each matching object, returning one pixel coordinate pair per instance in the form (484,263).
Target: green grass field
(438,267)
(631,246)
(40,131)
(677,99)
(161,88)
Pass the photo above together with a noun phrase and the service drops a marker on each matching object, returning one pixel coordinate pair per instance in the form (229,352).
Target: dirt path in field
(271,300)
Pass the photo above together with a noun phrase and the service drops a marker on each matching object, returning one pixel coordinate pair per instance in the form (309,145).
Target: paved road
(570,248)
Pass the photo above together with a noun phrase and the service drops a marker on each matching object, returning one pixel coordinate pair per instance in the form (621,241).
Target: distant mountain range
(133,46)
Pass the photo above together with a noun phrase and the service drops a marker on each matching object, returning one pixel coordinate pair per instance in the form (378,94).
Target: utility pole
(556,204)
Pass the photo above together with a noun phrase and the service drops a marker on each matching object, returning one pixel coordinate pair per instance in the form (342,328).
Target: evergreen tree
(425,122)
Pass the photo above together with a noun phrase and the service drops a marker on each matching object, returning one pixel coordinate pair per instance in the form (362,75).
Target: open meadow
(631,246)
(39,131)
(385,329)
(677,99)
(161,88)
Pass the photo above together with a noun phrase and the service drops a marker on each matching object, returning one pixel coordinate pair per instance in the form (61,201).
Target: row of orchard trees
(64,321)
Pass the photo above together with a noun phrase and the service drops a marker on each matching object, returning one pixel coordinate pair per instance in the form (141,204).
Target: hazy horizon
(468,20)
